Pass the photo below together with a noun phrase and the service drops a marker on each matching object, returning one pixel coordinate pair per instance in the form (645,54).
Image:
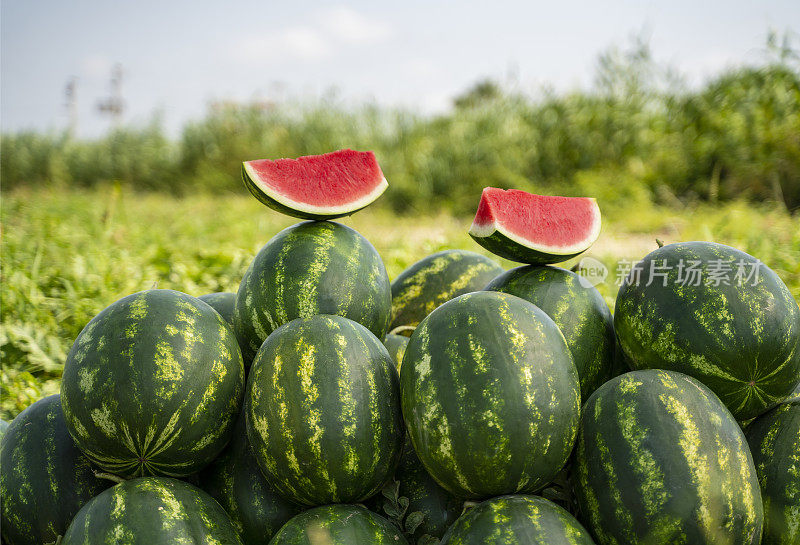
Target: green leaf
(413,520)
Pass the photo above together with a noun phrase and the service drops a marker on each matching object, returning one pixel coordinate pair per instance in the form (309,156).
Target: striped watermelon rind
(436,279)
(339,524)
(579,311)
(517,519)
(660,459)
(742,340)
(307,269)
(396,345)
(155,511)
(223,302)
(44,477)
(490,395)
(153,385)
(774,439)
(323,411)
(236,482)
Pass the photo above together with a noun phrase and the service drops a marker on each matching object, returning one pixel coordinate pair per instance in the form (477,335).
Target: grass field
(68,254)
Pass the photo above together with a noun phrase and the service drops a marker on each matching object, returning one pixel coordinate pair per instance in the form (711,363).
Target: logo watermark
(683,272)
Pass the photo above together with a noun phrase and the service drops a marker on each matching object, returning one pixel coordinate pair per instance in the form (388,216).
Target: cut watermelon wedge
(316,186)
(535,229)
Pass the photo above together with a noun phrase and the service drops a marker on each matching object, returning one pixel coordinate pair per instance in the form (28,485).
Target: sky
(179,56)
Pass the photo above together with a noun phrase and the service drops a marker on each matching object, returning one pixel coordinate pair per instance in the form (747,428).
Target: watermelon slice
(316,186)
(535,229)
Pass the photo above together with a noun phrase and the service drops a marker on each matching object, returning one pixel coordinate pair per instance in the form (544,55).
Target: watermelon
(741,339)
(339,524)
(44,477)
(222,302)
(578,310)
(660,459)
(774,440)
(316,186)
(396,345)
(517,519)
(490,395)
(236,482)
(436,279)
(4,425)
(323,411)
(153,385)
(307,269)
(152,511)
(535,229)
(430,509)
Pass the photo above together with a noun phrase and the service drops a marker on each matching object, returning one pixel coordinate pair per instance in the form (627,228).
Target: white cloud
(330,30)
(348,26)
(303,43)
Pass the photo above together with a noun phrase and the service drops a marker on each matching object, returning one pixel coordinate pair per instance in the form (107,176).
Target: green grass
(68,254)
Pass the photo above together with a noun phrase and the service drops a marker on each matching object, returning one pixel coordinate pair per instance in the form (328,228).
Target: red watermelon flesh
(535,229)
(317,186)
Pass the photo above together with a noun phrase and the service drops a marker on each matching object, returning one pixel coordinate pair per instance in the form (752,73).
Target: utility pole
(114,105)
(71,104)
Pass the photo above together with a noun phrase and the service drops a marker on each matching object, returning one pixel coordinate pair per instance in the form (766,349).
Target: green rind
(490,395)
(3,427)
(396,345)
(153,385)
(579,311)
(223,302)
(502,246)
(659,459)
(323,411)
(742,341)
(307,269)
(236,482)
(517,519)
(152,511)
(774,440)
(44,477)
(339,525)
(265,199)
(436,279)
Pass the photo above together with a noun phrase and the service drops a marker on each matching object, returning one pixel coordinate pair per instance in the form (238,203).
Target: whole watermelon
(152,511)
(44,477)
(396,345)
(4,427)
(236,482)
(323,411)
(579,311)
(153,385)
(436,279)
(339,524)
(223,302)
(430,510)
(517,519)
(314,267)
(774,440)
(490,395)
(740,338)
(659,459)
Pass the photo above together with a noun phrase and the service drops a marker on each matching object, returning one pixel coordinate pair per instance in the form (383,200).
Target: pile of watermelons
(461,404)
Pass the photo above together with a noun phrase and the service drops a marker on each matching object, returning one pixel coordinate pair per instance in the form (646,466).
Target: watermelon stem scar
(110,476)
